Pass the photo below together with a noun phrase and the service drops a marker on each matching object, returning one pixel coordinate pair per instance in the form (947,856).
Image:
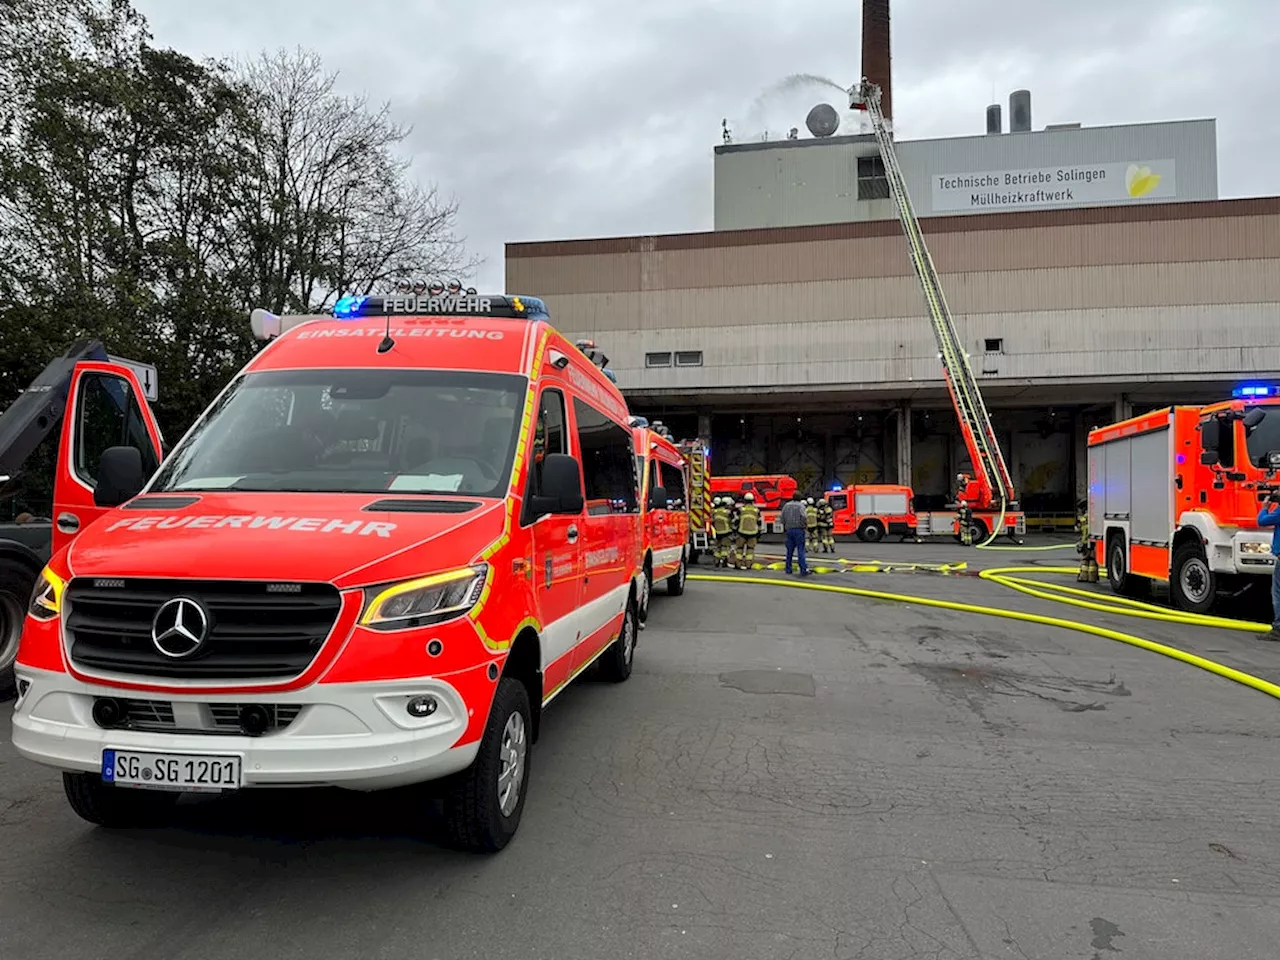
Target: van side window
(840,501)
(549,435)
(109,417)
(608,463)
(673,481)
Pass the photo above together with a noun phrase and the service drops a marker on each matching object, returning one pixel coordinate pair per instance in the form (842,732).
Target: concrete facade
(800,182)
(806,350)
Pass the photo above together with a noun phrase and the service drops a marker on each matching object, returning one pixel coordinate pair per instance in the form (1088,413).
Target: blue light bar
(1250,391)
(509,307)
(349,308)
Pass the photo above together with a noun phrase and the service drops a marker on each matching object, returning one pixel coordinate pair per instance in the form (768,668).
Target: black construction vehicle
(108,418)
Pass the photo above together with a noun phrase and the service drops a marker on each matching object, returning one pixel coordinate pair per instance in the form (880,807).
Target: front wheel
(484,803)
(114,807)
(870,532)
(17,580)
(1192,585)
(646,592)
(675,582)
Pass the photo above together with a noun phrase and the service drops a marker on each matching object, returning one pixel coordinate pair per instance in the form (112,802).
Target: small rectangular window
(873,184)
(994,345)
(688,358)
(657,359)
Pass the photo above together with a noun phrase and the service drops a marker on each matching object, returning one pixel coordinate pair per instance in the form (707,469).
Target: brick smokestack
(875,50)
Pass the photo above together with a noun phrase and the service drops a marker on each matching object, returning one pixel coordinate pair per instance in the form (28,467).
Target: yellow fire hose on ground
(1008,577)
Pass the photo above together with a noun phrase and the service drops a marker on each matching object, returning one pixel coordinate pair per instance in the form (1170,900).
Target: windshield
(355,431)
(1263,439)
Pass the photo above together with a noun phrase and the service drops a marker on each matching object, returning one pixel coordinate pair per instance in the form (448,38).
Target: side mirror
(1254,417)
(561,486)
(1210,435)
(120,476)
(658,498)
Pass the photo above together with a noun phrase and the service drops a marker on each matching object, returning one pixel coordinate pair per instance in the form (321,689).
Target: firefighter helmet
(749,497)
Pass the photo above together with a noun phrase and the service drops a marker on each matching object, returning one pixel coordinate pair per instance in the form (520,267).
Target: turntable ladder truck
(990,493)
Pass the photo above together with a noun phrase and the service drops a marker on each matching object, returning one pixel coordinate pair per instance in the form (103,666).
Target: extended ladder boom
(975,423)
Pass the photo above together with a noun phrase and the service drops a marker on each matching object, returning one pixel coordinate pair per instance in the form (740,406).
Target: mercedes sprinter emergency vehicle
(664,505)
(391,540)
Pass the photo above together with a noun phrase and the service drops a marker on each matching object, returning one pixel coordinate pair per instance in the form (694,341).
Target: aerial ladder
(989,494)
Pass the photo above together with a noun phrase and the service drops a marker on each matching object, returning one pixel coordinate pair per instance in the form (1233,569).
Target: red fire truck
(872,510)
(1174,496)
(771,491)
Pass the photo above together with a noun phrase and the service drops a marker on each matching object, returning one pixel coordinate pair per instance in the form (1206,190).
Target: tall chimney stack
(875,51)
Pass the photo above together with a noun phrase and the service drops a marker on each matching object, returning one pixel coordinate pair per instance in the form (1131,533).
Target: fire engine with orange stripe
(1174,497)
(673,497)
(390,541)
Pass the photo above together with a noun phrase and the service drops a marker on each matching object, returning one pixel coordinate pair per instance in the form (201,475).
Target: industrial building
(1092,272)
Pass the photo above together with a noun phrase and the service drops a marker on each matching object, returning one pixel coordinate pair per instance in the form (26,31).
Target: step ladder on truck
(1175,494)
(698,457)
(989,493)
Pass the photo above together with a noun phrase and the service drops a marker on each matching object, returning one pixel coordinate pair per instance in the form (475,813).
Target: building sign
(1068,185)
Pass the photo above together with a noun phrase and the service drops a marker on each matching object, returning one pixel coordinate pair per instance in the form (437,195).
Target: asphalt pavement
(788,774)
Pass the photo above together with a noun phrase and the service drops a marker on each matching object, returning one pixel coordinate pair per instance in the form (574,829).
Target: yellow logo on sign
(1140,181)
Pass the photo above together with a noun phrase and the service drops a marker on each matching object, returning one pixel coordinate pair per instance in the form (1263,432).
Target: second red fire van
(391,540)
(665,507)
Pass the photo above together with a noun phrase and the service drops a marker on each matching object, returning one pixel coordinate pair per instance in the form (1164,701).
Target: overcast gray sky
(557,119)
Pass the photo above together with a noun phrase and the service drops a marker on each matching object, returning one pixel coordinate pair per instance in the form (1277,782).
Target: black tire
(1122,581)
(473,802)
(642,611)
(978,532)
(870,531)
(1193,587)
(616,662)
(116,807)
(675,582)
(17,580)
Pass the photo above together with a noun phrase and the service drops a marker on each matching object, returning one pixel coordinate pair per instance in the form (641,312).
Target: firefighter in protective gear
(748,532)
(811,519)
(1088,572)
(826,523)
(964,517)
(722,528)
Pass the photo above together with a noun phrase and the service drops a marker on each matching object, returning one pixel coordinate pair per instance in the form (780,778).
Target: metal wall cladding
(1227,340)
(991,244)
(795,183)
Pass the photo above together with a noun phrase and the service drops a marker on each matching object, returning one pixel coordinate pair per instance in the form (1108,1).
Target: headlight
(46,598)
(1253,546)
(424,601)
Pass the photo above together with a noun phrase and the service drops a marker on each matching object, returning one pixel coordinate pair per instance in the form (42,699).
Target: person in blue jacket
(1270,517)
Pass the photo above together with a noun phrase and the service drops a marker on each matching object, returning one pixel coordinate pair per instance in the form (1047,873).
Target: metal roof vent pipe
(995,123)
(1020,111)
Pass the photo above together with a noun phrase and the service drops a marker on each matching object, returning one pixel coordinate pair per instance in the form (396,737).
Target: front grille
(157,716)
(256,630)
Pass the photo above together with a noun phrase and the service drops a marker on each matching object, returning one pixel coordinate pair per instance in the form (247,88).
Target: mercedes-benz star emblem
(180,628)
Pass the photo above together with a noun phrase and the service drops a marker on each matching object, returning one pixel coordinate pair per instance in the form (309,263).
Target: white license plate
(170,771)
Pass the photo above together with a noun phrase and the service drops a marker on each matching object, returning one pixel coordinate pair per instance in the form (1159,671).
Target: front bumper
(357,736)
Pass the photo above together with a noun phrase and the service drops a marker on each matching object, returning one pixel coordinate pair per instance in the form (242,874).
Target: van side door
(611,540)
(557,552)
(106,407)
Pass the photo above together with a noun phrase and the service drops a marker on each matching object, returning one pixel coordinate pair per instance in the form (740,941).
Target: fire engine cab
(1174,496)
(390,541)
(872,510)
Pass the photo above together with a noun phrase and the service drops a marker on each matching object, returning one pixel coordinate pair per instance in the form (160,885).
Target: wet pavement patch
(770,681)
(1104,931)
